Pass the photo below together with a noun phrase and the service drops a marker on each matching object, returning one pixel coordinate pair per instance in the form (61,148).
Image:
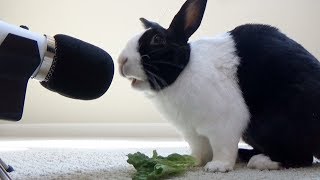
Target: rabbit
(252,83)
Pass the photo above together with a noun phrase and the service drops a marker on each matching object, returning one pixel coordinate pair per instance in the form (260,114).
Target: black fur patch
(162,63)
(280,81)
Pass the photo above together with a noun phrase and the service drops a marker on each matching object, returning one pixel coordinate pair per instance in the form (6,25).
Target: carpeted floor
(95,160)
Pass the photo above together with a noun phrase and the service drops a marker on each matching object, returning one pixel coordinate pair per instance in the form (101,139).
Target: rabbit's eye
(157,40)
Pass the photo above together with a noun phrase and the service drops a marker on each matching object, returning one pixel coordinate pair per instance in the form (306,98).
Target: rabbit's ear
(188,19)
(148,24)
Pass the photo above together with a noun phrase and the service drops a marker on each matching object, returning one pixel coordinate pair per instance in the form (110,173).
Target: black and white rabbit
(252,82)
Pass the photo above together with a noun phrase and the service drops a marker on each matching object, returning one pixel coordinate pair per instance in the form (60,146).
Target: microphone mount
(44,72)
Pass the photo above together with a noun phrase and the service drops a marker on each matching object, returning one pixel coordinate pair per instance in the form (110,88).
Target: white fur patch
(206,101)
(132,69)
(262,162)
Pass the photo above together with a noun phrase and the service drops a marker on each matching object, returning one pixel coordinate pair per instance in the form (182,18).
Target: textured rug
(95,160)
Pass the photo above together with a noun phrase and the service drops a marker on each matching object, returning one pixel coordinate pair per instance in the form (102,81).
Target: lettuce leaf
(158,167)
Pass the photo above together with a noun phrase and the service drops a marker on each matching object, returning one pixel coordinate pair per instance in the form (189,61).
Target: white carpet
(95,160)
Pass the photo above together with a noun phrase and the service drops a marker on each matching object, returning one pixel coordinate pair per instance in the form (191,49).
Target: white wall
(110,23)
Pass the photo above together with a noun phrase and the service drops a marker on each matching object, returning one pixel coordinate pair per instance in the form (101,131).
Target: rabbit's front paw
(218,166)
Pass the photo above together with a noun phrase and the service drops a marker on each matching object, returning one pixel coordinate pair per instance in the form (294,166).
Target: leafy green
(158,167)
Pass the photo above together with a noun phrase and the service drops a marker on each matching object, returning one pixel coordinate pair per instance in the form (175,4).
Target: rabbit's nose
(122,62)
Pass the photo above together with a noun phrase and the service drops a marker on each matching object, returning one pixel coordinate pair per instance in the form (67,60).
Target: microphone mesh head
(80,70)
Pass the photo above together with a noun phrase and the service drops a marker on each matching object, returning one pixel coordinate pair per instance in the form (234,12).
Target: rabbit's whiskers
(162,81)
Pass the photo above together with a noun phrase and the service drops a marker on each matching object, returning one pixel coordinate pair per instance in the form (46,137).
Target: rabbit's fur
(252,82)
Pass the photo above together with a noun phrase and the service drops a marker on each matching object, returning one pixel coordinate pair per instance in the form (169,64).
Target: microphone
(62,64)
(77,70)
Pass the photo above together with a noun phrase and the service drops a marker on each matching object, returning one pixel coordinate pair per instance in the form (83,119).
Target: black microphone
(63,64)
(79,70)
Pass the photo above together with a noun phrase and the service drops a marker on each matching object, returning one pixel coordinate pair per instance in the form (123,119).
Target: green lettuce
(158,167)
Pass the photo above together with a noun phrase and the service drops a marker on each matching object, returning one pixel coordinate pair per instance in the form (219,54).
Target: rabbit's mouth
(138,83)
(133,72)
(135,82)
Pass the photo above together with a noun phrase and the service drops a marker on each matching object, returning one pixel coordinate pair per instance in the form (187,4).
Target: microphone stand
(19,58)
(4,168)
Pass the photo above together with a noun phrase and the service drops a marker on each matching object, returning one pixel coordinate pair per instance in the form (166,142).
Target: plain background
(109,24)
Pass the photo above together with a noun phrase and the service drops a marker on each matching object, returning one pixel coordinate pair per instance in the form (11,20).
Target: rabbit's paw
(262,162)
(218,166)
